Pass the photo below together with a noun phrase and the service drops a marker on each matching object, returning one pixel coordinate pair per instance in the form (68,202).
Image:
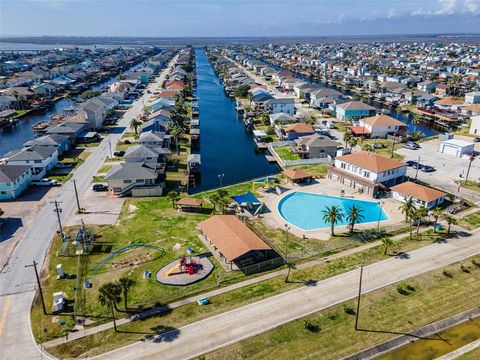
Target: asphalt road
(227,328)
(17,283)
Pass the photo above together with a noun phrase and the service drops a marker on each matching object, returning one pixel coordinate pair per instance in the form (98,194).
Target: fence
(263,266)
(323,160)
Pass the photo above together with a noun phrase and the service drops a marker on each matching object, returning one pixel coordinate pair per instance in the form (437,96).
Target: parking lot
(100,208)
(448,168)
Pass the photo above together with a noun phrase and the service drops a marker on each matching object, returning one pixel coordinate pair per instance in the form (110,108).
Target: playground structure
(184,271)
(185,265)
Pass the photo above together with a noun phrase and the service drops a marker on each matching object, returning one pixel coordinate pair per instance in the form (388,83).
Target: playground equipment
(185,265)
(100,264)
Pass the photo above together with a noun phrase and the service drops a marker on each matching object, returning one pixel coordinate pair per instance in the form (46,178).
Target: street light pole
(34,265)
(379,214)
(286,242)
(468,170)
(220,178)
(110,147)
(359,294)
(418,165)
(76,195)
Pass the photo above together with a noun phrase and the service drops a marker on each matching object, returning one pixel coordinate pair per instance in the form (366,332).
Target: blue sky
(236,17)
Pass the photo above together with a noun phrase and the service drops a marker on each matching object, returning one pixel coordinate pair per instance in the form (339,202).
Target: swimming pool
(304,210)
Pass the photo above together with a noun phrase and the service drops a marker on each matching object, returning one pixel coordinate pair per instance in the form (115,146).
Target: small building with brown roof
(294,131)
(297,175)
(422,196)
(235,242)
(379,126)
(189,203)
(367,172)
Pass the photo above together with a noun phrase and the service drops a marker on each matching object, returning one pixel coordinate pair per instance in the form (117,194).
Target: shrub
(447,274)
(348,310)
(311,326)
(405,289)
(465,269)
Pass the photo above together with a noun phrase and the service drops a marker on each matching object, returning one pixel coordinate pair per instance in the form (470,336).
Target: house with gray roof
(315,146)
(14,180)
(136,179)
(61,142)
(40,158)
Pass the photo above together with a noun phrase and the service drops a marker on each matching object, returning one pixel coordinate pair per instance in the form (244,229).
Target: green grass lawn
(315,169)
(104,169)
(472,185)
(471,221)
(98,179)
(435,296)
(386,147)
(286,153)
(135,331)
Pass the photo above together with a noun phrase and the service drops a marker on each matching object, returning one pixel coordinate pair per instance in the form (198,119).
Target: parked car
(62,165)
(119,153)
(100,187)
(477,139)
(411,145)
(414,164)
(427,168)
(45,182)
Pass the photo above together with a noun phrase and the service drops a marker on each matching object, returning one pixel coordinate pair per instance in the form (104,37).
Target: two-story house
(315,146)
(353,111)
(282,105)
(40,158)
(367,172)
(14,180)
(379,126)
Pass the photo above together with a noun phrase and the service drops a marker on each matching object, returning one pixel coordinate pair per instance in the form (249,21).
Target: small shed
(189,203)
(456,147)
(297,175)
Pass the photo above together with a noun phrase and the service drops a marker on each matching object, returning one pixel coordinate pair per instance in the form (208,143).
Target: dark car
(100,187)
(477,139)
(427,168)
(414,164)
(119,153)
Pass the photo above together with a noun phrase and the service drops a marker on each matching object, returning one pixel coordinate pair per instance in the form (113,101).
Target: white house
(456,147)
(422,196)
(282,105)
(367,172)
(40,158)
(379,126)
(472,97)
(475,125)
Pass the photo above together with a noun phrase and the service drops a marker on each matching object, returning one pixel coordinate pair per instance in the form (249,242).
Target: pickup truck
(45,182)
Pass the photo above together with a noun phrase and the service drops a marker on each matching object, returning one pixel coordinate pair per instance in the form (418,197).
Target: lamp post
(110,147)
(379,214)
(417,167)
(220,178)
(287,228)
(468,170)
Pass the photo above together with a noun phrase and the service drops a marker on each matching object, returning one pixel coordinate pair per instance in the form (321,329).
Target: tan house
(422,196)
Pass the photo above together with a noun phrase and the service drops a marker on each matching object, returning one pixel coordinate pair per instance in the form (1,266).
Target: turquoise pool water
(304,210)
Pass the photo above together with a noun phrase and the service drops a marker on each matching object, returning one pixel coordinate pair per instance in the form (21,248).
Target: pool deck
(327,187)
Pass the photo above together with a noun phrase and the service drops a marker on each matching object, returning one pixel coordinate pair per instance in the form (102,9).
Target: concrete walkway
(459,352)
(232,326)
(109,325)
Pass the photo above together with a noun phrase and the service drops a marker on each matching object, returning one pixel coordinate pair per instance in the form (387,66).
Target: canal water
(23,132)
(226,147)
(403,117)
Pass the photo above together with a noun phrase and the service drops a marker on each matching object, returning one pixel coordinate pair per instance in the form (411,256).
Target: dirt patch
(132,208)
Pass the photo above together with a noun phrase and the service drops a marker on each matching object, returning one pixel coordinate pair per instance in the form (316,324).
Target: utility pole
(286,241)
(417,167)
(76,195)
(468,170)
(393,147)
(34,264)
(58,211)
(358,300)
(110,147)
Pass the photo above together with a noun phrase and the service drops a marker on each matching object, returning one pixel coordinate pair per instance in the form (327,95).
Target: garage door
(452,150)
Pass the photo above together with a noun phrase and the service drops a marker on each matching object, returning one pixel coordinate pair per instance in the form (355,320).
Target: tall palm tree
(214,200)
(173,196)
(416,120)
(418,215)
(407,208)
(450,221)
(353,142)
(354,215)
(332,215)
(347,137)
(125,283)
(436,213)
(109,296)
(290,266)
(386,242)
(135,124)
(176,132)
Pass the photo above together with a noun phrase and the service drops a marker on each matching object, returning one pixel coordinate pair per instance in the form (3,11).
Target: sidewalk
(109,325)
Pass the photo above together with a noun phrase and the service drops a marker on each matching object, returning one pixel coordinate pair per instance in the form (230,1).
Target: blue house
(14,180)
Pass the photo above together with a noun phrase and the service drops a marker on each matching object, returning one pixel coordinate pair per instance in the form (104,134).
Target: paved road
(227,328)
(17,283)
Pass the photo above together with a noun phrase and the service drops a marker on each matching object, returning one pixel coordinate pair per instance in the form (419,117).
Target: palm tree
(173,196)
(352,142)
(332,215)
(214,200)
(108,296)
(290,266)
(418,215)
(449,219)
(175,131)
(354,215)
(347,137)
(436,213)
(416,120)
(386,242)
(125,284)
(407,208)
(135,124)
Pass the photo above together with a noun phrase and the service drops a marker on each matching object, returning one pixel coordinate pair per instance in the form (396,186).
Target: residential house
(155,138)
(294,131)
(315,146)
(422,196)
(475,125)
(61,142)
(281,118)
(472,97)
(379,126)
(322,97)
(40,158)
(131,178)
(282,105)
(14,180)
(427,86)
(354,110)
(367,172)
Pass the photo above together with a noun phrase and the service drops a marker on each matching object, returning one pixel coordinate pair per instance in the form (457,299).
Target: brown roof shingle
(418,191)
(371,161)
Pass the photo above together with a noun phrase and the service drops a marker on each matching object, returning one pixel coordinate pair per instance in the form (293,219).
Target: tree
(173,196)
(125,284)
(347,137)
(90,94)
(407,208)
(450,221)
(436,213)
(290,266)
(108,296)
(242,91)
(416,120)
(354,215)
(332,215)
(135,124)
(176,132)
(214,200)
(353,142)
(418,215)
(386,242)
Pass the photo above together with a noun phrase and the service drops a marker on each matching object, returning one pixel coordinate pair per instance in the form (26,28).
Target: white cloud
(391,13)
(451,7)
(472,6)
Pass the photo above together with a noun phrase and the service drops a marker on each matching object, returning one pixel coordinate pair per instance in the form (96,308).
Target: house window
(343,165)
(127,181)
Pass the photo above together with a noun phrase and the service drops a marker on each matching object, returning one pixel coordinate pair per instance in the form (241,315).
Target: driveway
(204,336)
(448,169)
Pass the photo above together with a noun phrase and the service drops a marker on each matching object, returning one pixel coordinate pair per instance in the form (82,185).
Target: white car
(45,182)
